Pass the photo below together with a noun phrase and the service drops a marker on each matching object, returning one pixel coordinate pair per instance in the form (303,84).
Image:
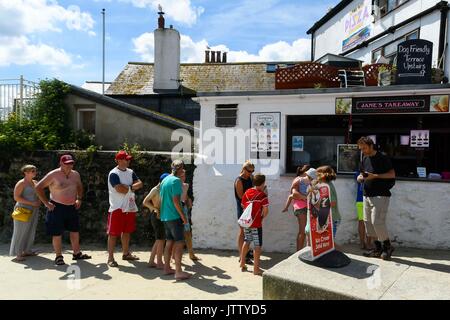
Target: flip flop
(31,254)
(113,264)
(129,257)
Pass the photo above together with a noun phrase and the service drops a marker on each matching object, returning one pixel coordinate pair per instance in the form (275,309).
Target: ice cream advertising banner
(357,25)
(320,221)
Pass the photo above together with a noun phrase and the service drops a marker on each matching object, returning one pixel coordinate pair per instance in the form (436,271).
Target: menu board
(348,158)
(265,135)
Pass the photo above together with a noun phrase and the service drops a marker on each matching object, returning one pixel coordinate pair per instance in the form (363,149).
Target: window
(86,120)
(226,115)
(271,68)
(386,6)
(389,51)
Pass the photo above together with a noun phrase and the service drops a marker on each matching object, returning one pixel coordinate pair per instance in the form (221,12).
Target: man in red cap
(66,193)
(122,182)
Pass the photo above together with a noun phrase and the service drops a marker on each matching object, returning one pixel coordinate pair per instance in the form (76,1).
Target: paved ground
(217,276)
(412,274)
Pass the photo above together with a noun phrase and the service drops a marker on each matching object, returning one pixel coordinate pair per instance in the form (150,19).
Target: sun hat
(312,173)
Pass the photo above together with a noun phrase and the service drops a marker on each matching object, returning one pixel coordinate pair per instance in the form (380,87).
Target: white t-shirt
(115,177)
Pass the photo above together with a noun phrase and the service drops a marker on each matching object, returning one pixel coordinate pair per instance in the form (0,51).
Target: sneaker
(376,252)
(387,250)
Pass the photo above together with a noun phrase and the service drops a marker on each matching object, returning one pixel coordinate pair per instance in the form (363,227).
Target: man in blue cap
(153,202)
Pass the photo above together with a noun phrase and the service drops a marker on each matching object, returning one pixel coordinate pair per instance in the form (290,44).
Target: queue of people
(170,206)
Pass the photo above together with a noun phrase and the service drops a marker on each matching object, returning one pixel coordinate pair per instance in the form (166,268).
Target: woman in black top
(242,183)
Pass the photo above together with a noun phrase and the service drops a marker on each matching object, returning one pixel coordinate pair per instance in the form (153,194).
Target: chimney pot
(224,58)
(213,57)
(206,56)
(161,21)
(218,57)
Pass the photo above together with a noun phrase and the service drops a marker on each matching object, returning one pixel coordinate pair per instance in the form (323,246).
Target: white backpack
(246,219)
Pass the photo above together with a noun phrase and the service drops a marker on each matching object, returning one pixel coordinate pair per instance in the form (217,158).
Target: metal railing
(16,95)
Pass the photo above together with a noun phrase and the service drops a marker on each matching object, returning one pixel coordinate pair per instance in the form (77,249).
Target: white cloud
(191,51)
(18,50)
(179,10)
(21,20)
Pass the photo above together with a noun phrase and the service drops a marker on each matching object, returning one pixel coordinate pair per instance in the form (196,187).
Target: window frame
(79,111)
(393,9)
(404,37)
(222,107)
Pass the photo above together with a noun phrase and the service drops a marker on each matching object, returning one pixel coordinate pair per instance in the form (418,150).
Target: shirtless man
(66,193)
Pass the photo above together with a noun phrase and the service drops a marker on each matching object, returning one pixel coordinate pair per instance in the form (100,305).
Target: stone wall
(94,169)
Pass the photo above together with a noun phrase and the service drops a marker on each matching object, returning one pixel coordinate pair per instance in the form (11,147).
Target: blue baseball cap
(161,178)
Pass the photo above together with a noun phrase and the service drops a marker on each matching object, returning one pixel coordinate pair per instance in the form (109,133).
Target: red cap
(123,155)
(66,159)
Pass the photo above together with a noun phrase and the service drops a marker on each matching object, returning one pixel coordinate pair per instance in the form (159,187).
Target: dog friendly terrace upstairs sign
(414,62)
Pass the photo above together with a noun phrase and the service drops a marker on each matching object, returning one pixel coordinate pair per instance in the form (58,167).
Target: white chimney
(167,57)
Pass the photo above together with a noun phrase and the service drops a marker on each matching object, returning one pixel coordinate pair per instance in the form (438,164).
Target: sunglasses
(249,171)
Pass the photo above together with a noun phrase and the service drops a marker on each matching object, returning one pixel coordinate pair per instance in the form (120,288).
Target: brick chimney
(207,56)
(213,57)
(224,58)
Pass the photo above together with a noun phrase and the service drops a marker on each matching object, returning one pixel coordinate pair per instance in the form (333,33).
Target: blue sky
(63,38)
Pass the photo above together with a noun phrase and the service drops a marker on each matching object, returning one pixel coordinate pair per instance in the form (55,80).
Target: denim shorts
(174,230)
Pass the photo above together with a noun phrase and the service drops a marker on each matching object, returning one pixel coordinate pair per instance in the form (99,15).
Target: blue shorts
(174,230)
(62,218)
(336,224)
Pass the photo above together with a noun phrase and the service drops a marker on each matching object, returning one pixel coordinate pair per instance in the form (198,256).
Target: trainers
(387,250)
(376,252)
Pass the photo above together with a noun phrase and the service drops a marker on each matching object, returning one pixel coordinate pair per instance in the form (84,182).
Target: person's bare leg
(257,254)
(75,241)
(240,239)
(178,249)
(301,231)
(151,260)
(167,256)
(57,245)
(159,254)
(111,246)
(125,243)
(244,250)
(188,239)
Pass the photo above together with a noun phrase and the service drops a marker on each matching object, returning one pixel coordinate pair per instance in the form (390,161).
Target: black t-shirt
(377,164)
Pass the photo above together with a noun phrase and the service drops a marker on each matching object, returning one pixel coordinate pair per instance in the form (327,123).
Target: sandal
(59,261)
(80,256)
(129,257)
(113,264)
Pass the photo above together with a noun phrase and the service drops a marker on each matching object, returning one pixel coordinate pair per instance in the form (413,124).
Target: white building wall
(329,37)
(419,214)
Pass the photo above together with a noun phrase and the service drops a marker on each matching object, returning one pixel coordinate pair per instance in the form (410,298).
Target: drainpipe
(442,35)
(312,46)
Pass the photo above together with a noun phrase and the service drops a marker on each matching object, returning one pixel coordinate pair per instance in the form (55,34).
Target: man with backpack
(378,176)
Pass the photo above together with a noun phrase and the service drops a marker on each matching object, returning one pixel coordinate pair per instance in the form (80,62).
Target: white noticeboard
(420,139)
(265,135)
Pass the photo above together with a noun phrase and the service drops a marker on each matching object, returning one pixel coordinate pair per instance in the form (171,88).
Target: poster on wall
(297,143)
(357,25)
(265,135)
(420,138)
(439,103)
(348,158)
(343,105)
(320,221)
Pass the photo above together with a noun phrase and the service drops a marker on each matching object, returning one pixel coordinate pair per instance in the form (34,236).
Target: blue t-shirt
(171,186)
(359,189)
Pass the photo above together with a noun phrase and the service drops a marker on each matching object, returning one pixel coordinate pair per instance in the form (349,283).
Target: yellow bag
(22,214)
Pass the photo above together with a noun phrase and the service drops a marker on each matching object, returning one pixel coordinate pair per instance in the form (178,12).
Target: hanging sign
(320,220)
(297,143)
(414,59)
